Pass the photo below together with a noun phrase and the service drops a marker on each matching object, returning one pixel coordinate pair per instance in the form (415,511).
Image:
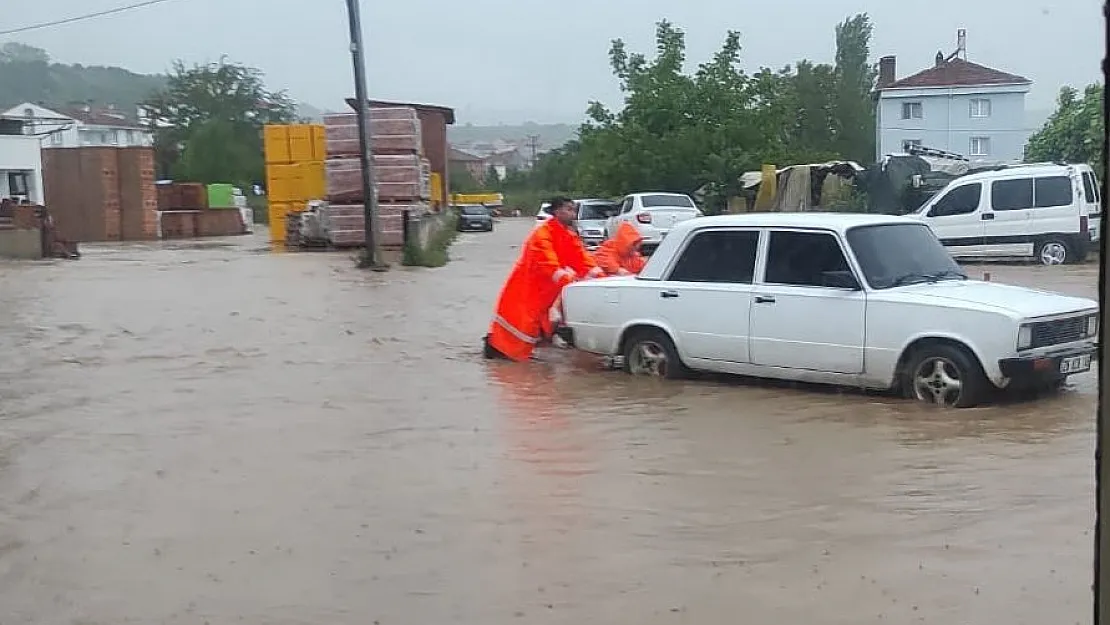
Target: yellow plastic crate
(319,142)
(286,183)
(277,213)
(300,143)
(275,143)
(315,180)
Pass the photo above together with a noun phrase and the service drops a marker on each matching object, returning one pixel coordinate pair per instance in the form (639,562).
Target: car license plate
(1075,364)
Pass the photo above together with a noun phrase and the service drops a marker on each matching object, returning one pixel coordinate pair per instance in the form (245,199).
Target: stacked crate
(295,157)
(402,175)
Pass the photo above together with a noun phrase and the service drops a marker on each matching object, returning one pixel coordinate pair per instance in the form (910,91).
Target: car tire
(945,375)
(650,352)
(1054,251)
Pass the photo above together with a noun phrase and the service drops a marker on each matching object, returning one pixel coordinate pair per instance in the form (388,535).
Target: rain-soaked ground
(211,433)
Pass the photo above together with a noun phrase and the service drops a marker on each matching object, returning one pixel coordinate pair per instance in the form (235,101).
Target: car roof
(1018,171)
(642,193)
(836,222)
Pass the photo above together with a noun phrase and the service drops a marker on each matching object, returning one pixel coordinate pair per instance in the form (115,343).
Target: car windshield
(473,210)
(666,199)
(595,210)
(892,255)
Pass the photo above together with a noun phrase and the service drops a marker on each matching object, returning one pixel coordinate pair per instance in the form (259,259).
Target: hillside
(28,75)
(550,136)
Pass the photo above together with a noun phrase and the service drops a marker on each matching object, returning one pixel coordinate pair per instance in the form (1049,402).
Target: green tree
(853,109)
(15,52)
(461,180)
(1075,131)
(214,114)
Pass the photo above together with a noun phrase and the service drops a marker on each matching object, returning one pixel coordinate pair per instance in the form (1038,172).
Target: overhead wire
(81,18)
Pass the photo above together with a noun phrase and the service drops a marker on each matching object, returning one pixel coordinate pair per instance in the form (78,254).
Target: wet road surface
(210,433)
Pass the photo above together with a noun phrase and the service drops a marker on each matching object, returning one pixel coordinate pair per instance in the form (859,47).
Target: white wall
(21,153)
(947,124)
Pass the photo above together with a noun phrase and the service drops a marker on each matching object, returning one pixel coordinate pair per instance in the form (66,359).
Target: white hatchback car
(870,301)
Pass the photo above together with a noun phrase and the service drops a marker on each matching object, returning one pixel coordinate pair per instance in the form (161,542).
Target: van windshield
(892,255)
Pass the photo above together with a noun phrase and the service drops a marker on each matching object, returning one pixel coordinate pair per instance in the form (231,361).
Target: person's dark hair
(559,201)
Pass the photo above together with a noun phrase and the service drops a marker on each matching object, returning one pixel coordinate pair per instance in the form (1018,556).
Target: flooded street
(213,433)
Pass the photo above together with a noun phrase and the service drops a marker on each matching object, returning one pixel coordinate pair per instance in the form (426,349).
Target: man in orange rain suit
(552,257)
(620,255)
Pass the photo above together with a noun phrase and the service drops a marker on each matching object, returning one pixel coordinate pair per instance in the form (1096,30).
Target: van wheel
(945,375)
(650,352)
(1053,252)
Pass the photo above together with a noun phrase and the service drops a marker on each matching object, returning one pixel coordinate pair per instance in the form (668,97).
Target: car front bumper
(1046,367)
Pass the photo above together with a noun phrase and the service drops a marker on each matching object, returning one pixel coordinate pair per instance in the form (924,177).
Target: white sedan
(856,300)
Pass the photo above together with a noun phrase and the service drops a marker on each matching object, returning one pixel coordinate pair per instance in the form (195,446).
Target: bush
(435,254)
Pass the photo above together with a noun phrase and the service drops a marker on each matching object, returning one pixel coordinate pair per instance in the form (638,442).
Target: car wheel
(1053,252)
(945,375)
(650,352)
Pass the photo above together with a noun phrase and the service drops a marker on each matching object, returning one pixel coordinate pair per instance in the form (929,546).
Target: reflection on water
(194,433)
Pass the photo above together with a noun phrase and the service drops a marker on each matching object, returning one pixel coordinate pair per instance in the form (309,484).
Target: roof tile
(958,73)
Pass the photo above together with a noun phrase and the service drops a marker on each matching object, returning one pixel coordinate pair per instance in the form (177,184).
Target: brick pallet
(344,225)
(101,193)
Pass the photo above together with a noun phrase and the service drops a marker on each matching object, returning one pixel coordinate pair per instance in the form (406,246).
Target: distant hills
(549,136)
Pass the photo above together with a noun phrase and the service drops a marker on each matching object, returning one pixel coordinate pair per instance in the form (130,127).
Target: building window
(980,107)
(111,137)
(912,110)
(980,146)
(130,137)
(56,138)
(908,144)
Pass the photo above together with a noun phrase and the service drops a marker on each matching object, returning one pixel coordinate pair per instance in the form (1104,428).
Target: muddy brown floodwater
(212,433)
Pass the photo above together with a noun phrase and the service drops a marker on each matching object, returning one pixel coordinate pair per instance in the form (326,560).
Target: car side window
(726,256)
(1012,195)
(1089,188)
(1052,191)
(803,258)
(958,201)
(627,206)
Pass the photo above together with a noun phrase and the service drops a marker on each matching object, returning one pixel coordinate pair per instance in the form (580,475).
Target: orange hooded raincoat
(619,255)
(552,257)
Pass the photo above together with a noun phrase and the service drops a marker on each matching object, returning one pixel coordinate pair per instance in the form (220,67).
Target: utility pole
(371,259)
(1102,437)
(533,142)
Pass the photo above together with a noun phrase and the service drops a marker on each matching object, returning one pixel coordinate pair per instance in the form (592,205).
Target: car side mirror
(840,280)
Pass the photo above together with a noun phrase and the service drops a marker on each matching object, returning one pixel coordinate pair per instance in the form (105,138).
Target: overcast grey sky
(516,60)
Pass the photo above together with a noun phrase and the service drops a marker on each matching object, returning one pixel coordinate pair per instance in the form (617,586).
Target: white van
(1046,211)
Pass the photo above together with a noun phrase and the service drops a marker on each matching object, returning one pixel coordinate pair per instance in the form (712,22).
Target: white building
(956,106)
(20,163)
(84,126)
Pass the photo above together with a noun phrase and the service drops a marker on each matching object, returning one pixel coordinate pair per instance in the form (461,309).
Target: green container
(221,195)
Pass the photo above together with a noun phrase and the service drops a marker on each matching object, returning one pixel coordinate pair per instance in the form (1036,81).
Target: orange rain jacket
(552,257)
(619,254)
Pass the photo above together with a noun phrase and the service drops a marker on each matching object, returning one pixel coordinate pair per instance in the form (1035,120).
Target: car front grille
(1048,333)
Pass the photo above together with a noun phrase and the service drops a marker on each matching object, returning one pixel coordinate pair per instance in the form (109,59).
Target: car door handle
(764,299)
(987,216)
(668,294)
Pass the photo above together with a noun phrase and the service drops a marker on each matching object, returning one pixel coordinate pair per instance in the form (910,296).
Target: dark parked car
(474,217)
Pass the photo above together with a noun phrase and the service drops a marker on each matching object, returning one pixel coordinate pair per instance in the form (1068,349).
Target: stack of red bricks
(401,173)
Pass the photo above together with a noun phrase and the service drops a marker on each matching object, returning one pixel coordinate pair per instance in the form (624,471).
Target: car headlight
(1025,337)
(1092,325)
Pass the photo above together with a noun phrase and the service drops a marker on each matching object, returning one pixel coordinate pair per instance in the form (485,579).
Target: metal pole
(370,259)
(1102,440)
